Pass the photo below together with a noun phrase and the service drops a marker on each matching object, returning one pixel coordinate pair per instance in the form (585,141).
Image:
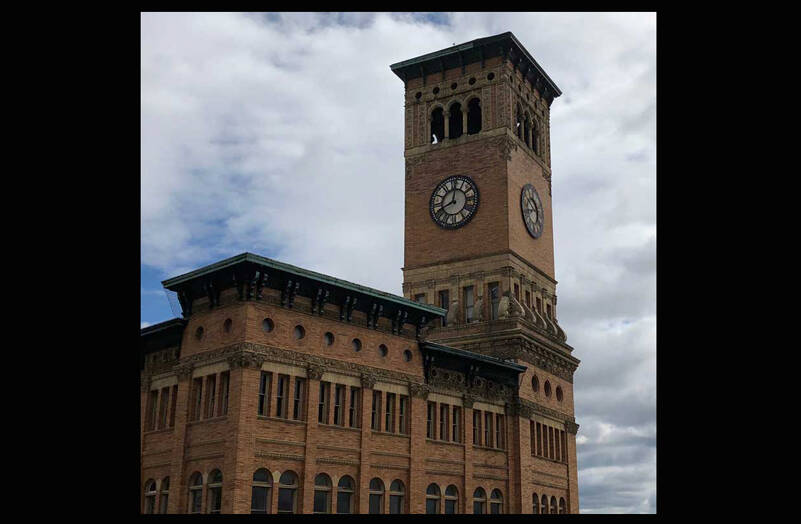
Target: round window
(472,81)
(267,325)
(357,344)
(382,350)
(418,95)
(559,394)
(329,338)
(453,85)
(407,355)
(547,389)
(490,76)
(227,325)
(299,332)
(436,90)
(199,332)
(535,384)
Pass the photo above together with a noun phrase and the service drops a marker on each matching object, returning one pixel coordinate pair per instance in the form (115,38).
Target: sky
(282,135)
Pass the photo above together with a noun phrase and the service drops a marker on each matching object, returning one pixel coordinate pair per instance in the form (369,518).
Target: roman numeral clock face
(454,202)
(533,213)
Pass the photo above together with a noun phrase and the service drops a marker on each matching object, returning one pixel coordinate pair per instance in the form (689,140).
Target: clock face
(533,213)
(454,202)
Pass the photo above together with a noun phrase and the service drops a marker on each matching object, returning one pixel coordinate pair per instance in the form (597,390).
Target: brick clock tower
(479,236)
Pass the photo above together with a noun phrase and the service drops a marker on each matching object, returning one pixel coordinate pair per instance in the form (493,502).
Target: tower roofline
(504,44)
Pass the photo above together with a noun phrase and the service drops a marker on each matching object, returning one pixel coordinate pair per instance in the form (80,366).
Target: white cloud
(282,135)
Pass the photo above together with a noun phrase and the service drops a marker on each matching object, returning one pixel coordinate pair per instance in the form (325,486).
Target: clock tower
(479,230)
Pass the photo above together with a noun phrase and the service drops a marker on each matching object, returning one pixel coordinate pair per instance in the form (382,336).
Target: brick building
(285,390)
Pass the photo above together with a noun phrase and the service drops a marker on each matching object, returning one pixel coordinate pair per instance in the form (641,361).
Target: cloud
(282,134)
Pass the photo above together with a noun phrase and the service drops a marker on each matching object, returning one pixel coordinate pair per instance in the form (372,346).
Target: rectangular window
(297,401)
(430,415)
(488,429)
(495,299)
(476,427)
(339,405)
(152,406)
(539,305)
(468,304)
(456,433)
(443,421)
(550,443)
(173,404)
(163,403)
(264,393)
(444,304)
(528,298)
(197,387)
(322,404)
(211,391)
(375,418)
(389,423)
(282,396)
(354,407)
(548,310)
(499,429)
(532,433)
(564,447)
(420,297)
(403,410)
(517,292)
(539,439)
(225,379)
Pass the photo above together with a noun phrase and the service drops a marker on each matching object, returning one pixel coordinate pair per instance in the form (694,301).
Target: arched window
(397,493)
(164,494)
(553,505)
(451,500)
(544,505)
(562,506)
(195,493)
(432,499)
(535,503)
(437,125)
(527,129)
(150,497)
(322,493)
(261,492)
(473,116)
(455,129)
(345,495)
(496,502)
(376,496)
(519,123)
(535,137)
(214,491)
(288,492)
(479,501)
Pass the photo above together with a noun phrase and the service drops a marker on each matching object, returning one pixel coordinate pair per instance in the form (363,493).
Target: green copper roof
(173,283)
(463,353)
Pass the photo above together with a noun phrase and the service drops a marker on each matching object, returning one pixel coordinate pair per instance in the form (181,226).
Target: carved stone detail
(314,372)
(368,380)
(571,427)
(245,360)
(418,390)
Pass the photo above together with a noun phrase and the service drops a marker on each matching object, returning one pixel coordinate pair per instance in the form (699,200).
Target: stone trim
(287,456)
(445,461)
(489,476)
(391,454)
(276,441)
(331,460)
(205,456)
(340,448)
(389,466)
(443,472)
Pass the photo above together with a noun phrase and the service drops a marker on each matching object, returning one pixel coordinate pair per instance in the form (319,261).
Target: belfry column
(467,497)
(571,429)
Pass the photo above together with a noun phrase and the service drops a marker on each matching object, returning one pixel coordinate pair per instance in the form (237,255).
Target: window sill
(447,442)
(402,435)
(548,459)
(475,446)
(281,419)
(337,426)
(212,419)
(162,430)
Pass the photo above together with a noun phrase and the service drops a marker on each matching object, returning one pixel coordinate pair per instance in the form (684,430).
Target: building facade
(281,390)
